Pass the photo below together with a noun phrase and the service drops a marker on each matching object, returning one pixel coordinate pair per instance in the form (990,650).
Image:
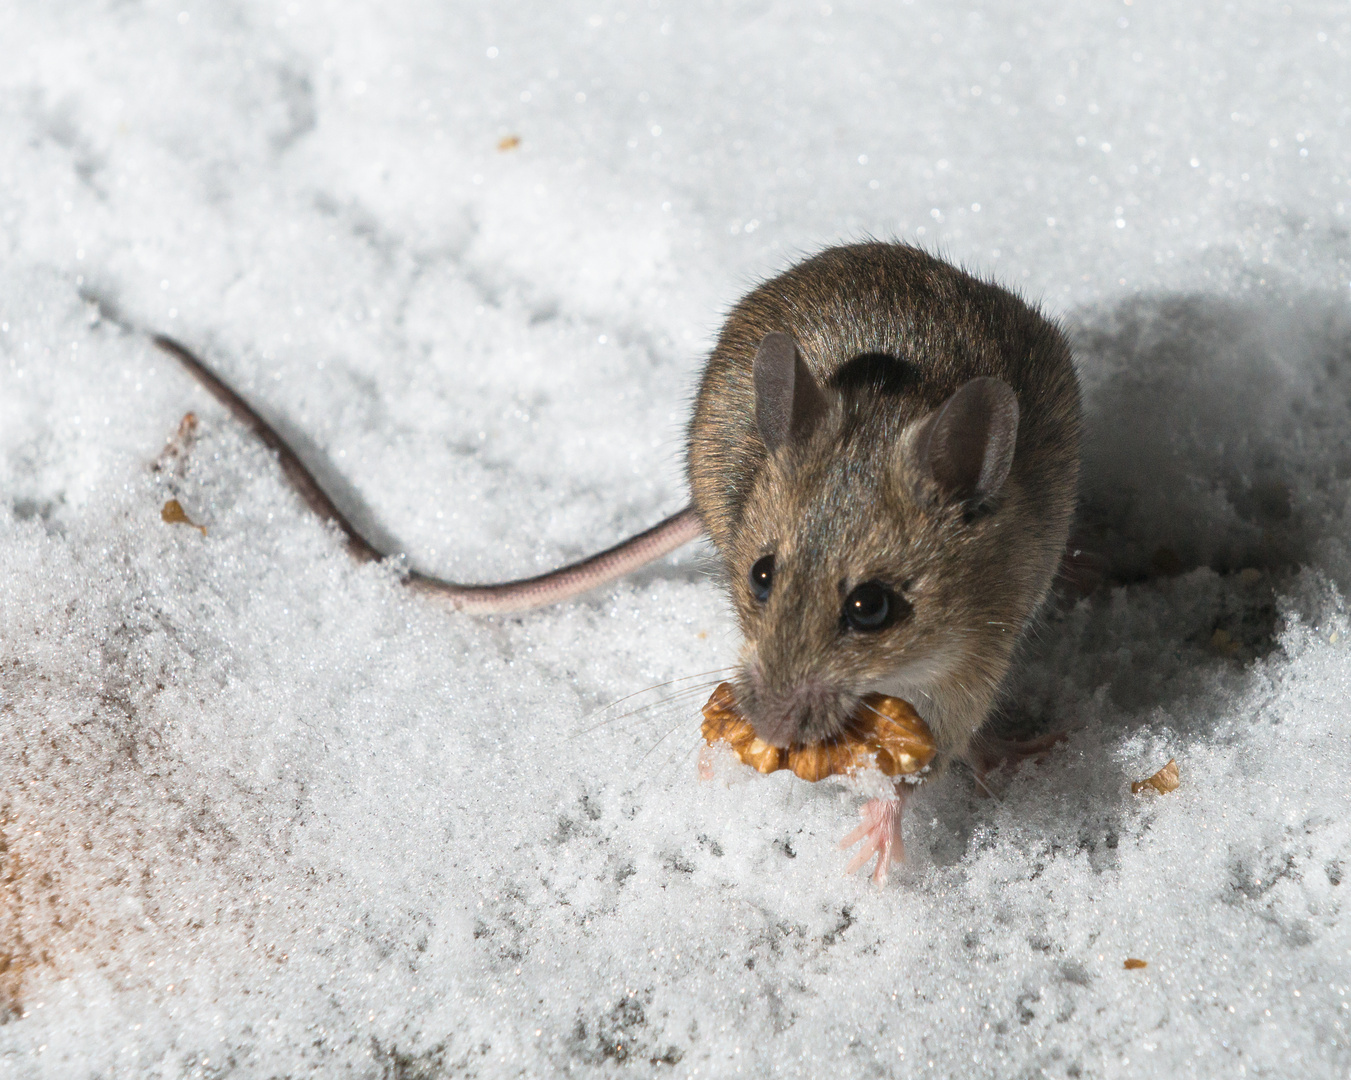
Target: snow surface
(263,813)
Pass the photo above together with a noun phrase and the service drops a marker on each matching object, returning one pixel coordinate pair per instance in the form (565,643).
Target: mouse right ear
(966,447)
(788,399)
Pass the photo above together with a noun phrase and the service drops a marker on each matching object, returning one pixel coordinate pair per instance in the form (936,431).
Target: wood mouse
(884,451)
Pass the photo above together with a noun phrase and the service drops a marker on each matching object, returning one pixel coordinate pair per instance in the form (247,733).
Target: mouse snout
(798,712)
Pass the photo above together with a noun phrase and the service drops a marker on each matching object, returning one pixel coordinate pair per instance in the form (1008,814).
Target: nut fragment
(1163,781)
(173,513)
(886,734)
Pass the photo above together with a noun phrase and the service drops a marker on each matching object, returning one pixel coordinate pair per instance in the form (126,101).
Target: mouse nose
(802,712)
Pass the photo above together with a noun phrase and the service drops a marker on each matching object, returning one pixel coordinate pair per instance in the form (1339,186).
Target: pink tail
(521,595)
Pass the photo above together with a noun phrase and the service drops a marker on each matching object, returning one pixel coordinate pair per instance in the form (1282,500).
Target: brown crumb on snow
(172,513)
(1163,781)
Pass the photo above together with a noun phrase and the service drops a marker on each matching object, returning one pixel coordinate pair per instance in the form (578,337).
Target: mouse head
(868,557)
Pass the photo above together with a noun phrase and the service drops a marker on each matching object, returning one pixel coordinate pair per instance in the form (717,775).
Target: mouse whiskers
(651,723)
(682,692)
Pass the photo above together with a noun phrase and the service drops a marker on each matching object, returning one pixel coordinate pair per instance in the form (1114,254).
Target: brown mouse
(884,451)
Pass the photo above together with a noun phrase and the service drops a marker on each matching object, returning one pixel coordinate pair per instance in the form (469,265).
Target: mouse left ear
(966,447)
(788,399)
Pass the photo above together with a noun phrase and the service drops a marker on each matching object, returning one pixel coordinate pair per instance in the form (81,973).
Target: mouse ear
(788,399)
(966,447)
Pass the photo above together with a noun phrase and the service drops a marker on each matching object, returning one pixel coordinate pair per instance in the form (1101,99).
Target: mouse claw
(880,833)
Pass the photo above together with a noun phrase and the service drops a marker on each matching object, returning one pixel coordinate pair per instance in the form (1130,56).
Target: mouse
(884,453)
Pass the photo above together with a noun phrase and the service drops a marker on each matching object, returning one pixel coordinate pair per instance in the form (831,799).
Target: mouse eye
(762,577)
(872,606)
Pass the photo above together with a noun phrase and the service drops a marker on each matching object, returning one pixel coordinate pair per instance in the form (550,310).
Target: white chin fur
(917,681)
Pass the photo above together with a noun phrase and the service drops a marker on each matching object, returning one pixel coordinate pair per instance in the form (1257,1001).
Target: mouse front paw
(880,834)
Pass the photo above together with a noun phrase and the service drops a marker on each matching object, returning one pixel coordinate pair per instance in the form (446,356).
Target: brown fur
(892,333)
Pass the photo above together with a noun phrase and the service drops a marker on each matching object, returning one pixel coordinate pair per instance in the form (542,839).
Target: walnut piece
(174,514)
(1163,781)
(886,734)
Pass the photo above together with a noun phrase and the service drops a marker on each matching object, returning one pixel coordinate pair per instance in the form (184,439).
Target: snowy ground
(263,813)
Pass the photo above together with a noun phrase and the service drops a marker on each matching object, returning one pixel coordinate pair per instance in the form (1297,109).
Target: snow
(265,813)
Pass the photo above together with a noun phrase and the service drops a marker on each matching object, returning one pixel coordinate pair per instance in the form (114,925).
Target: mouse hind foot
(988,754)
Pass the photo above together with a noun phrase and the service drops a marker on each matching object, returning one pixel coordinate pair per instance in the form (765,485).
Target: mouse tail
(520,595)
(567,581)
